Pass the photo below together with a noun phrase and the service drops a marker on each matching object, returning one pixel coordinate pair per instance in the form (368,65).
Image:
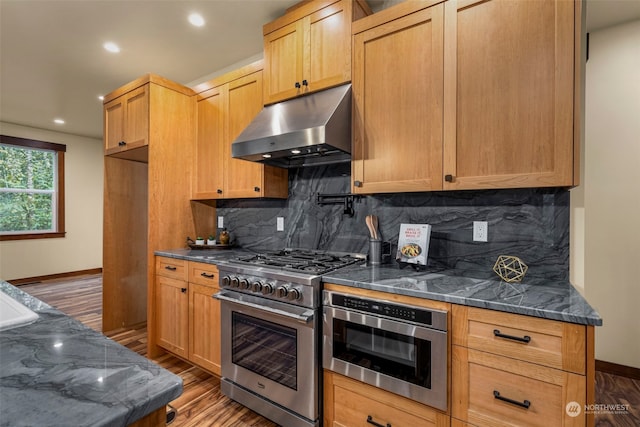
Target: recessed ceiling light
(111,47)
(58,121)
(196,20)
(101,98)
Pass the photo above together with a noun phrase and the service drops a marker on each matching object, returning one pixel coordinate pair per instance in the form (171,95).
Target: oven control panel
(268,288)
(423,316)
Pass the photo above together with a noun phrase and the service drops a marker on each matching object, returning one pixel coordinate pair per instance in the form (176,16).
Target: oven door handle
(305,317)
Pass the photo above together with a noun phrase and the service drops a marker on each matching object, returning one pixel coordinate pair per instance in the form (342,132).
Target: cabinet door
(244,102)
(509,93)
(126,121)
(136,120)
(208,177)
(204,327)
(284,62)
(398,109)
(113,125)
(328,58)
(172,315)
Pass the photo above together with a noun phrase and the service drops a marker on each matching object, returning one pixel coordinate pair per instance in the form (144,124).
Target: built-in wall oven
(396,347)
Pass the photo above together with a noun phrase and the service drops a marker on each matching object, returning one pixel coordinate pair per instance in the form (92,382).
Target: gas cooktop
(302,260)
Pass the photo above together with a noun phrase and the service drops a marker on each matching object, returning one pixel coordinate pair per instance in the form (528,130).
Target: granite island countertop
(533,297)
(58,372)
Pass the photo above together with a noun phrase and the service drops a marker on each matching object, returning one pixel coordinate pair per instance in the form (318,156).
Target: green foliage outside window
(27,189)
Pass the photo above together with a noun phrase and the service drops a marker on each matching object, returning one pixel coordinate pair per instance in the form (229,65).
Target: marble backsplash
(532,224)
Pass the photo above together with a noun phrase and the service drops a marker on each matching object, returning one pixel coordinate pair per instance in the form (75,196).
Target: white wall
(611,189)
(81,249)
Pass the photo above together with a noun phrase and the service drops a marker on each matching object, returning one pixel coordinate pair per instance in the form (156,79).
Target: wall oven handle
(306,317)
(370,421)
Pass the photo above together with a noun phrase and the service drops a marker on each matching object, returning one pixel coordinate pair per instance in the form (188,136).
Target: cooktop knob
(226,281)
(244,284)
(294,294)
(283,291)
(256,286)
(235,282)
(267,289)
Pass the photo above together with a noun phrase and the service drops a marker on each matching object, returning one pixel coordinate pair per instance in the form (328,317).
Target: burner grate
(302,260)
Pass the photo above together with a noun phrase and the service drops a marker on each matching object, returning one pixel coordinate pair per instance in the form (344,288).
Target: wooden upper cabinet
(224,111)
(126,121)
(309,48)
(397,117)
(509,94)
(209,160)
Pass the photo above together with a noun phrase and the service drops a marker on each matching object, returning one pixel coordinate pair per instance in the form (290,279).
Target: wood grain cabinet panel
(204,327)
(488,96)
(509,93)
(309,48)
(224,111)
(499,391)
(397,121)
(545,342)
(126,121)
(350,403)
(172,315)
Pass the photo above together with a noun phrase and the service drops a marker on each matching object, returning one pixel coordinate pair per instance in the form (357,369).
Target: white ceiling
(52,64)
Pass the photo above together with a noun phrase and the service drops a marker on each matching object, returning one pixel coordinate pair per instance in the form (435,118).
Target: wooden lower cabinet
(187,317)
(351,403)
(500,391)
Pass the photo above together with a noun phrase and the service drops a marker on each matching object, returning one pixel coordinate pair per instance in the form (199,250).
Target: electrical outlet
(280,223)
(480,231)
(220,222)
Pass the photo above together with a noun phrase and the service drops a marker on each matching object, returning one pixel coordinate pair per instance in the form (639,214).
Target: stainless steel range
(270,316)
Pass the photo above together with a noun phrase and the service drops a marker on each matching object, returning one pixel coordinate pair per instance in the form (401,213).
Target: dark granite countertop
(58,372)
(533,297)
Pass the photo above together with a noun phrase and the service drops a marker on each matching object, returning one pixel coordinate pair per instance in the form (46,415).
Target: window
(31,189)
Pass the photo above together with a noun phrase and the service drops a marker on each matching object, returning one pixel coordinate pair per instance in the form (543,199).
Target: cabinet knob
(219,191)
(122,143)
(256,189)
(357,183)
(305,83)
(448,178)
(183,290)
(297,85)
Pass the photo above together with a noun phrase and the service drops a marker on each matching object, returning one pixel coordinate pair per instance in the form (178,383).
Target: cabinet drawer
(203,274)
(545,342)
(170,267)
(349,403)
(499,391)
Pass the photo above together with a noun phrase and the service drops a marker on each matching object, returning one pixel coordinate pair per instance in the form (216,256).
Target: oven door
(400,357)
(271,349)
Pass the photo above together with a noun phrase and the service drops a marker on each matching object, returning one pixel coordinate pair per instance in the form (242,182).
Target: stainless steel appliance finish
(396,347)
(270,321)
(308,130)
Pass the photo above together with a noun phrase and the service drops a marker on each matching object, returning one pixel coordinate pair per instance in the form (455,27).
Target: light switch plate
(220,222)
(280,223)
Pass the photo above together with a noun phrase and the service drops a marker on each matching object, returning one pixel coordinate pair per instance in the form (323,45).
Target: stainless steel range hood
(309,130)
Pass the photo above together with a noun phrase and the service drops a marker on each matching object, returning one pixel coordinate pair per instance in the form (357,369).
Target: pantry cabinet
(187,316)
(147,191)
(309,48)
(499,85)
(508,368)
(226,105)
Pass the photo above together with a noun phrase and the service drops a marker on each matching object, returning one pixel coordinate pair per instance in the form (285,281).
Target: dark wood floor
(202,404)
